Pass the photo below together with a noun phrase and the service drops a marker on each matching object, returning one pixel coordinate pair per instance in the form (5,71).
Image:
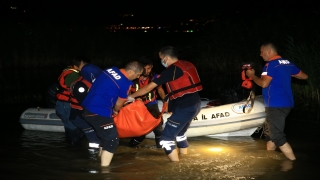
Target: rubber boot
(183,150)
(173,156)
(271,146)
(287,151)
(106,158)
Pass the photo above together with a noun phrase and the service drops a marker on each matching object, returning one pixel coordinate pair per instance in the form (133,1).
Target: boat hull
(223,120)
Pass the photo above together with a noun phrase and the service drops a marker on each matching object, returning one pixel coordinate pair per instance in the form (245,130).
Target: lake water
(45,155)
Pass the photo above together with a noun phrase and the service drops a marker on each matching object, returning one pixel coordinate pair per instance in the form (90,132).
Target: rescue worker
(149,99)
(275,81)
(106,97)
(79,89)
(68,75)
(182,83)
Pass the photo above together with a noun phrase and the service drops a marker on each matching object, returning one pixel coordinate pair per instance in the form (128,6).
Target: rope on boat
(250,98)
(262,131)
(258,130)
(248,84)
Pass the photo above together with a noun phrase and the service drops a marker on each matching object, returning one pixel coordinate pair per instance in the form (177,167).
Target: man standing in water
(275,81)
(78,91)
(183,83)
(63,109)
(149,99)
(106,97)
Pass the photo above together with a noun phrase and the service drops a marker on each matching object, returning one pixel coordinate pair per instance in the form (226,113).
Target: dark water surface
(45,155)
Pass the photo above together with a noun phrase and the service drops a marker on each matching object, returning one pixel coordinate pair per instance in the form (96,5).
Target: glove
(130,99)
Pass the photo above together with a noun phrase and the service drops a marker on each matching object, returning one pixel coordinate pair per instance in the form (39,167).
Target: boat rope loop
(262,132)
(167,144)
(250,99)
(181,138)
(258,130)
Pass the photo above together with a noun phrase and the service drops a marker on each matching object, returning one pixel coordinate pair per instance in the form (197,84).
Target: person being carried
(79,89)
(275,81)
(149,99)
(106,97)
(182,83)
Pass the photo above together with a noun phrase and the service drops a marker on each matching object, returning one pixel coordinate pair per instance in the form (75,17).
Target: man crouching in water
(182,83)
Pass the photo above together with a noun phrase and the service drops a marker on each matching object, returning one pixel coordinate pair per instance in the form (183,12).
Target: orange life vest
(74,103)
(188,83)
(63,91)
(247,82)
(137,84)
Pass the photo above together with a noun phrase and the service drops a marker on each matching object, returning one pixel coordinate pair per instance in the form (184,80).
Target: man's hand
(130,99)
(115,113)
(250,73)
(165,105)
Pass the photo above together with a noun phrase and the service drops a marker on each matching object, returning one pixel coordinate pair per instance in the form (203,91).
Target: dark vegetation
(32,55)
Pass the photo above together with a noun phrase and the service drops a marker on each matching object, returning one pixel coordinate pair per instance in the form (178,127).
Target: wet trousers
(78,120)
(176,126)
(105,128)
(73,134)
(275,123)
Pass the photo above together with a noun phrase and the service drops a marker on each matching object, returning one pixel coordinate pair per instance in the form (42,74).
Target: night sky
(145,11)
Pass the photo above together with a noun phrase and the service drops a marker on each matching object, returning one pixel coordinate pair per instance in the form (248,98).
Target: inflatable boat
(235,119)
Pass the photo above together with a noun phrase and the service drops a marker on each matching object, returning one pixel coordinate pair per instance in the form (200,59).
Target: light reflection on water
(44,155)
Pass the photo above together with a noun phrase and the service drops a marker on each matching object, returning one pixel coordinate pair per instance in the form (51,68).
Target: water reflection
(44,155)
(286,165)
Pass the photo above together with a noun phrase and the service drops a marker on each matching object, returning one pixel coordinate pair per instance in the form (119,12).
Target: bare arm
(301,75)
(144,90)
(264,81)
(161,92)
(119,104)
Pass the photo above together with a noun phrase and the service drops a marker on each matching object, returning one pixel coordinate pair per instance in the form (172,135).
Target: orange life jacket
(74,103)
(188,83)
(137,84)
(247,82)
(63,91)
